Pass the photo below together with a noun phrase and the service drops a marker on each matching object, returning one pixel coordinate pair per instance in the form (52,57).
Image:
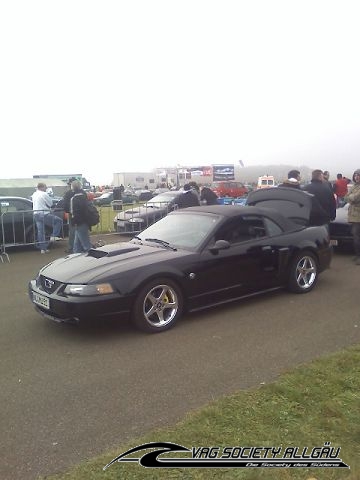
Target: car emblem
(49,283)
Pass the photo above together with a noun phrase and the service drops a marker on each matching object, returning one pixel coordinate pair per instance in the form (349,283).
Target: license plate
(41,300)
(121,223)
(334,243)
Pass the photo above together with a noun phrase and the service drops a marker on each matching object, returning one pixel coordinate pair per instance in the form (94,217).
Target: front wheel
(303,273)
(157,306)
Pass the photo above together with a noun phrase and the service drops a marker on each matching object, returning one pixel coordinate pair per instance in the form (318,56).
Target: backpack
(92,214)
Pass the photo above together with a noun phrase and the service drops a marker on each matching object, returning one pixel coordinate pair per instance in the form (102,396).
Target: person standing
(195,189)
(78,218)
(293,180)
(326,180)
(208,196)
(188,198)
(324,197)
(43,217)
(353,198)
(66,199)
(340,189)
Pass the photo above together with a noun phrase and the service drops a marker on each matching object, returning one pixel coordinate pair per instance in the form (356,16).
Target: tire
(303,273)
(157,306)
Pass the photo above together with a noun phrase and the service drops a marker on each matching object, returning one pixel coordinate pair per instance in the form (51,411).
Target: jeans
(355,230)
(82,238)
(71,238)
(46,219)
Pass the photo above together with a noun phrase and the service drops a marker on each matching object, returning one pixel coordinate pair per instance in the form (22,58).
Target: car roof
(169,193)
(12,197)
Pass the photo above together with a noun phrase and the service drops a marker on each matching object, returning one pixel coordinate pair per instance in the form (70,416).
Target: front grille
(48,284)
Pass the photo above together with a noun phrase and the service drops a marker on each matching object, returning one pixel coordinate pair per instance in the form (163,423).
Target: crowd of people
(327,197)
(75,203)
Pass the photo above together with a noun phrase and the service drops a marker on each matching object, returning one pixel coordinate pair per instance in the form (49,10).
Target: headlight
(89,290)
(136,220)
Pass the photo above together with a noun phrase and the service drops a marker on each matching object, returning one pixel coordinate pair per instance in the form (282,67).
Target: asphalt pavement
(68,393)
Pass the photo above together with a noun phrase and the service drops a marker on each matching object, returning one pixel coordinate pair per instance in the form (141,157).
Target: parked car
(129,197)
(340,228)
(159,190)
(229,189)
(104,199)
(17,225)
(191,259)
(135,219)
(143,195)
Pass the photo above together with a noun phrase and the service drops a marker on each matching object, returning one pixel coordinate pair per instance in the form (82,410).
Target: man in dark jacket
(325,199)
(208,196)
(187,198)
(293,180)
(66,203)
(78,218)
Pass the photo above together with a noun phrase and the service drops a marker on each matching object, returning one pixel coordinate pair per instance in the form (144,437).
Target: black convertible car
(191,259)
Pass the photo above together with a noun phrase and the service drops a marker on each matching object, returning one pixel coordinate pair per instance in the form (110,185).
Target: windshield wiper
(160,242)
(137,238)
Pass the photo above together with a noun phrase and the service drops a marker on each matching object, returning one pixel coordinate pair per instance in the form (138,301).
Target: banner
(201,171)
(223,172)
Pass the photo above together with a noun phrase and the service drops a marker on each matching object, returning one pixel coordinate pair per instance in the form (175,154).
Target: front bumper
(76,308)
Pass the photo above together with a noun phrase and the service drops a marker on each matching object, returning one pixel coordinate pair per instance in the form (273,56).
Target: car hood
(138,212)
(292,203)
(103,262)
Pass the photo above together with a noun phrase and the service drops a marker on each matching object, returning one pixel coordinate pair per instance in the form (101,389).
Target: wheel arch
(173,275)
(303,249)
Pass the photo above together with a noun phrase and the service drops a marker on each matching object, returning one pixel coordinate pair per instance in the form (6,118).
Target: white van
(266,181)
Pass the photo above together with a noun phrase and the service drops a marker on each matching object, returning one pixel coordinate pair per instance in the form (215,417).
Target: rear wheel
(158,306)
(303,273)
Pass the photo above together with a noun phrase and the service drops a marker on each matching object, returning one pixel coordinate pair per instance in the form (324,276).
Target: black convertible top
(229,211)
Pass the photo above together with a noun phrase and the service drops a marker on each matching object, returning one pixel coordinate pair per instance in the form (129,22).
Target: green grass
(313,404)
(107,215)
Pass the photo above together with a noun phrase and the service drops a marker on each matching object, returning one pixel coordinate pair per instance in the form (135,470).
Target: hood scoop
(98,253)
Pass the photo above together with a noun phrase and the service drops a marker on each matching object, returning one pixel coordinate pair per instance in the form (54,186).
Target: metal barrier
(18,228)
(130,218)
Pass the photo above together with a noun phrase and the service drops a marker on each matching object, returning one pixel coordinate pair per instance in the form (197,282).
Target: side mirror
(219,245)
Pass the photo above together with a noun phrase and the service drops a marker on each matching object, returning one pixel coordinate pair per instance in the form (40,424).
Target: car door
(250,264)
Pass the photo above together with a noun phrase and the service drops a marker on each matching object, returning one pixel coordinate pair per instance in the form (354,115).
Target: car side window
(18,205)
(242,229)
(272,228)
(13,205)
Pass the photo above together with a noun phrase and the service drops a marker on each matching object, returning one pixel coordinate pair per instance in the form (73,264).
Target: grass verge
(313,404)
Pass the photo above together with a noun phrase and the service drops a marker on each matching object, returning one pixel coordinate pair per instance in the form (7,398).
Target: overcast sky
(98,87)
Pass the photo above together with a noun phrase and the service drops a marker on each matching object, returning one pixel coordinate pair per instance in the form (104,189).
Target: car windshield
(185,230)
(160,200)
